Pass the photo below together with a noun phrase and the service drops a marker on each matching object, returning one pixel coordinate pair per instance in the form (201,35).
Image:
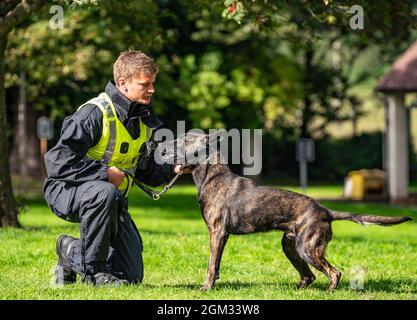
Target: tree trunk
(12,12)
(307,112)
(8,209)
(31,142)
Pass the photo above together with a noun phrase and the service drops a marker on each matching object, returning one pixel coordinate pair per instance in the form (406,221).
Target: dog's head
(189,149)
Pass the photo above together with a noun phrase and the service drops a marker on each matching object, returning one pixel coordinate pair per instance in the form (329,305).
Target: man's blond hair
(130,64)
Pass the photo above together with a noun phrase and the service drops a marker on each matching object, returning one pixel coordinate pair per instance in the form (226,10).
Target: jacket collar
(128,109)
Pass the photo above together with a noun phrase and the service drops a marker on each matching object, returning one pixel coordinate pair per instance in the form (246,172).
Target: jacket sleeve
(66,160)
(155,174)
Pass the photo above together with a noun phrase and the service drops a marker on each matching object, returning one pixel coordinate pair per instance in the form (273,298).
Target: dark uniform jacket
(66,164)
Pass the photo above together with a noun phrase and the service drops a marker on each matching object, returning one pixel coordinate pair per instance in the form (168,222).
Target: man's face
(139,88)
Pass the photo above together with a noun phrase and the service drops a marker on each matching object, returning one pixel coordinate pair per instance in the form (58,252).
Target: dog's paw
(205,288)
(305,282)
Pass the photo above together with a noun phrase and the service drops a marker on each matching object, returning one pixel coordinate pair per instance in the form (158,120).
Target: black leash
(156,195)
(153,194)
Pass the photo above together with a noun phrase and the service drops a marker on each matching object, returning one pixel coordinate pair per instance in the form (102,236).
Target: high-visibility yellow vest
(116,146)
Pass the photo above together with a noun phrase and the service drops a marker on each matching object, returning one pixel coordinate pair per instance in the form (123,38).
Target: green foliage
(269,70)
(80,3)
(205,90)
(275,69)
(234,10)
(335,158)
(80,56)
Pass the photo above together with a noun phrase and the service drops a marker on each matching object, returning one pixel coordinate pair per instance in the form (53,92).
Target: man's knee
(109,193)
(99,198)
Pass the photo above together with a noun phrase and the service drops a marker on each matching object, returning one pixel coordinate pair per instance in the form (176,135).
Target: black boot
(104,279)
(63,273)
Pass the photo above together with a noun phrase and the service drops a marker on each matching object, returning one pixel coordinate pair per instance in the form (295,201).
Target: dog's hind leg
(306,275)
(311,246)
(218,241)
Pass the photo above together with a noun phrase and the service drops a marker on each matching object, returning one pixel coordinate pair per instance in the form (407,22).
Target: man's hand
(115,176)
(178,167)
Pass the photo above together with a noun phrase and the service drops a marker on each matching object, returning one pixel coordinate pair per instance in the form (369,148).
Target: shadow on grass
(373,286)
(175,206)
(42,228)
(179,201)
(185,206)
(395,286)
(228,285)
(179,286)
(391,285)
(52,230)
(172,233)
(375,240)
(237,285)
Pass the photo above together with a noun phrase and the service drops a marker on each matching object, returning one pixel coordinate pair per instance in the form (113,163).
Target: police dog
(231,204)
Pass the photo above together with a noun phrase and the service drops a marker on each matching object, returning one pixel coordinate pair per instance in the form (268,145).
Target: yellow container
(365,183)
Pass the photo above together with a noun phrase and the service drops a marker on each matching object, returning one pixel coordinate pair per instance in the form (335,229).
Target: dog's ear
(216,136)
(181,137)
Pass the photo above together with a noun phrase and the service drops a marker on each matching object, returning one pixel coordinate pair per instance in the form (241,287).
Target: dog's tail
(367,219)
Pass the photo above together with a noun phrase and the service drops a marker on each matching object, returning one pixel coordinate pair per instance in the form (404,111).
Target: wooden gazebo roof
(403,75)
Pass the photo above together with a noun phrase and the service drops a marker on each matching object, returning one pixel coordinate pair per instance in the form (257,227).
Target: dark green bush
(334,159)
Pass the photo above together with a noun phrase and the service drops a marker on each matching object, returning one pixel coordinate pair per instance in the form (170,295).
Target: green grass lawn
(176,251)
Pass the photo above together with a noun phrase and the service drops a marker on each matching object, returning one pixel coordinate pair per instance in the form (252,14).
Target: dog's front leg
(218,240)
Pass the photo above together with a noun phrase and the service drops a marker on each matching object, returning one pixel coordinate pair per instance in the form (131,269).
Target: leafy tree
(313,29)
(12,12)
(67,66)
(248,63)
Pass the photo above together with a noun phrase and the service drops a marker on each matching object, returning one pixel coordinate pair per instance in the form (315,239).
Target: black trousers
(109,240)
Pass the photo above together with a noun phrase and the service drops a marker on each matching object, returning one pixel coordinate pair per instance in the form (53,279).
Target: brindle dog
(231,204)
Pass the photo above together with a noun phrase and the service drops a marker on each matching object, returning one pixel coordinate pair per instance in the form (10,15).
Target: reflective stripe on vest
(108,154)
(114,134)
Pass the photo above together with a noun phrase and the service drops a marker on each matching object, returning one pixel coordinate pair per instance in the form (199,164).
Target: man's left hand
(178,167)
